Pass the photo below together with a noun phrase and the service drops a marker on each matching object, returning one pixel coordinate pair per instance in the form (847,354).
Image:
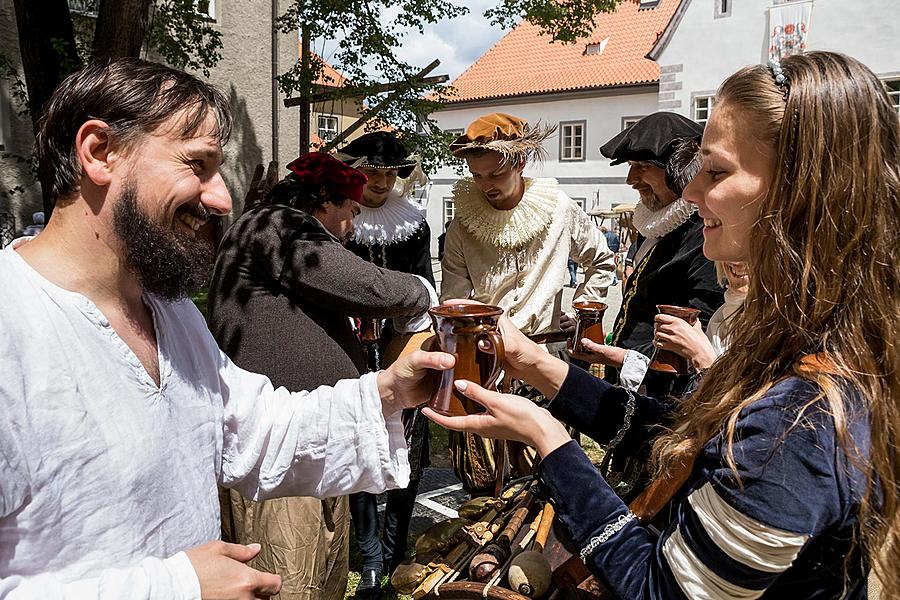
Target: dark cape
(673,272)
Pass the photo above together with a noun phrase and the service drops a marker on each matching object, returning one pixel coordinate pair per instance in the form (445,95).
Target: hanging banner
(788,29)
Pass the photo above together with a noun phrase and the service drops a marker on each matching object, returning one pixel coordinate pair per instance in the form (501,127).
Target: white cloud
(456,42)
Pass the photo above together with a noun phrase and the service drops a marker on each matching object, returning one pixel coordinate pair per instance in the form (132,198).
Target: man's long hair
(825,274)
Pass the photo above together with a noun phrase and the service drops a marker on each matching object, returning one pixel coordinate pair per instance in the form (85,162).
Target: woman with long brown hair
(790,449)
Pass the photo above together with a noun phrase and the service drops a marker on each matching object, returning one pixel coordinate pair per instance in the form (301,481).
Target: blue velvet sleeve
(597,408)
(732,534)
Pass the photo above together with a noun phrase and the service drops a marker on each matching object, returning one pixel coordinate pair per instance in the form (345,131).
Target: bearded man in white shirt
(121,418)
(509,244)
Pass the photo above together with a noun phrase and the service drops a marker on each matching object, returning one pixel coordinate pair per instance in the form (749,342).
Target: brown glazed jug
(459,329)
(666,360)
(588,324)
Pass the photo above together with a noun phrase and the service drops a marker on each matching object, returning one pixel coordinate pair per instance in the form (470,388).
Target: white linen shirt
(105,477)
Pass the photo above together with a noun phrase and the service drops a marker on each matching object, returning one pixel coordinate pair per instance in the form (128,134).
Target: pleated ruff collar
(394,221)
(506,229)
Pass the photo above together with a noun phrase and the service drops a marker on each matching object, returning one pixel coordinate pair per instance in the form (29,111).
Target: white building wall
(704,50)
(592,179)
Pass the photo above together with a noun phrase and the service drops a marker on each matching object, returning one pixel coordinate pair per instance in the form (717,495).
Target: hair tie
(780,78)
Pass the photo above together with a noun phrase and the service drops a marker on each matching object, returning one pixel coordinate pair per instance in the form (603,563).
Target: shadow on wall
(244,151)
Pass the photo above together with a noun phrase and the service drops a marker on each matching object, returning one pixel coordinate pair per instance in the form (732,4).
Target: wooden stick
(543,530)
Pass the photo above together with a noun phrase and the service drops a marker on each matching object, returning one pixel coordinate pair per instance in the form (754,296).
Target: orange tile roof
(330,76)
(525,62)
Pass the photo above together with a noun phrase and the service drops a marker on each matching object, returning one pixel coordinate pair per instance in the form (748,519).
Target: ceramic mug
(667,361)
(460,328)
(588,324)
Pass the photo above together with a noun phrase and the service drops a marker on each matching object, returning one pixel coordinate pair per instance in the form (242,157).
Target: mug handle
(499,353)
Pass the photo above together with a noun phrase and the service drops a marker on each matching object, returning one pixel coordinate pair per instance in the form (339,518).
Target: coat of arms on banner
(788,28)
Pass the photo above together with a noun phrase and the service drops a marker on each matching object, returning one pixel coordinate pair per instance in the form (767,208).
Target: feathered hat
(510,136)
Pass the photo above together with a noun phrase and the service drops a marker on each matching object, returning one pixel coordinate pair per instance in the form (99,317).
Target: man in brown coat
(283,293)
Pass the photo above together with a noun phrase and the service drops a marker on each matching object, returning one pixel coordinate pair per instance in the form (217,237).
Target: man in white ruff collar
(663,151)
(391,232)
(509,245)
(511,237)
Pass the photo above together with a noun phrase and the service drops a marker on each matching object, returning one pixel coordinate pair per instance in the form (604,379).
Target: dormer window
(648,4)
(596,48)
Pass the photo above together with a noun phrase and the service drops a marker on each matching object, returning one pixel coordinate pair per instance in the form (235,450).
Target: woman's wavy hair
(825,264)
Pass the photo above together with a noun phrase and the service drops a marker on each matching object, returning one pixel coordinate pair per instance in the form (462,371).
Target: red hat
(317,169)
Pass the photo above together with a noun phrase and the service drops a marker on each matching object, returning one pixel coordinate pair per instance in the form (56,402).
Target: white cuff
(184,577)
(422,321)
(392,453)
(634,367)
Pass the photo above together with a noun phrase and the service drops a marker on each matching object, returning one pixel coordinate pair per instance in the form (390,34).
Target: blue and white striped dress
(783,530)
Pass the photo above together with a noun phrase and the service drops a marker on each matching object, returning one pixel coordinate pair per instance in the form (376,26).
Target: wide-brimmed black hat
(652,139)
(378,150)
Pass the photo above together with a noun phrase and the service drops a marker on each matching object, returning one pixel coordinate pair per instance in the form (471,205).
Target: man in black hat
(663,152)
(391,232)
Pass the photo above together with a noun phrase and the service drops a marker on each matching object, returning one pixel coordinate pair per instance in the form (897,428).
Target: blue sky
(456,42)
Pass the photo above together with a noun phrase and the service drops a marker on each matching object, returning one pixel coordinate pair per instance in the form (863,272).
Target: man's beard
(652,201)
(170,264)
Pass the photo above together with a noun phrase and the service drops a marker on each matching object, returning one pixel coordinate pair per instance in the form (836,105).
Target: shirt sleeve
(173,578)
(455,281)
(327,274)
(732,537)
(600,410)
(327,442)
(421,249)
(589,249)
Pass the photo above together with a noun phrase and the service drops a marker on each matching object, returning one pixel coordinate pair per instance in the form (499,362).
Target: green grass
(201,299)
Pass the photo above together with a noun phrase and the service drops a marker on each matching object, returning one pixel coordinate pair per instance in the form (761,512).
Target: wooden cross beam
(417,80)
(369,114)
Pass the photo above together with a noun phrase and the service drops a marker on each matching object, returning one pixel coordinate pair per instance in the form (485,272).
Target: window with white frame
(571,140)
(893,88)
(449,209)
(454,132)
(703,106)
(581,202)
(723,8)
(422,127)
(327,127)
(629,121)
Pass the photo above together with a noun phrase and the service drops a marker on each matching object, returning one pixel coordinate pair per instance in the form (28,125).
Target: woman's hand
(672,333)
(409,381)
(603,354)
(507,417)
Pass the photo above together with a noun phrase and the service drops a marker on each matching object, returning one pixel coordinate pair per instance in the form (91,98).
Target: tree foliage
(367,33)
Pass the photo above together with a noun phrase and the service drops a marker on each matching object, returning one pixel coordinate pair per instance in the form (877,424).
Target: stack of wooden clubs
(494,549)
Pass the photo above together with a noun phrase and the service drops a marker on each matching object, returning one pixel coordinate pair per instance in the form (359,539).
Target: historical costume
(107,478)
(517,258)
(283,291)
(390,232)
(720,532)
(669,266)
